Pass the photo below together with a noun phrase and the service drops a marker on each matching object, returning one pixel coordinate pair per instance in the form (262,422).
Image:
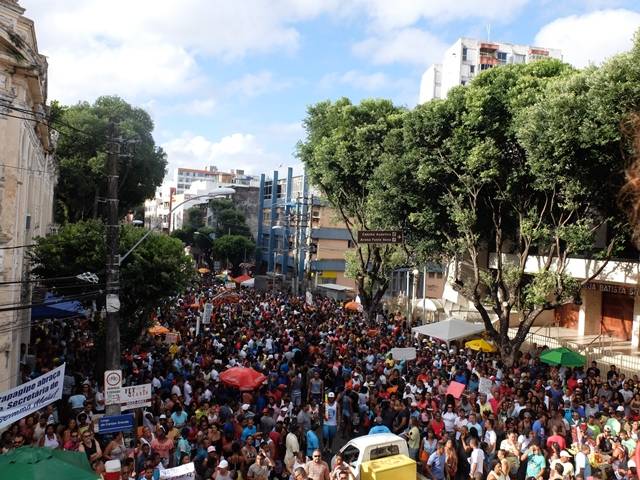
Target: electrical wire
(50,279)
(83,296)
(17,246)
(24,168)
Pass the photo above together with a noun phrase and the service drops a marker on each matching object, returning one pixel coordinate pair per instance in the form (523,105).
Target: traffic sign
(135,393)
(112,386)
(380,236)
(115,423)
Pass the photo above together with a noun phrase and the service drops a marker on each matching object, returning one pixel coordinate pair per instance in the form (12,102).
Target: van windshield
(384,451)
(350,454)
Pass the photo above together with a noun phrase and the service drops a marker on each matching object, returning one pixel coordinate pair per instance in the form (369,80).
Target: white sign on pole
(135,393)
(183,472)
(19,402)
(138,404)
(112,386)
(206,314)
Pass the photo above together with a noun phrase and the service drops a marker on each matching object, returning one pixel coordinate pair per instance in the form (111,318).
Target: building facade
(467,57)
(299,236)
(28,176)
(184,177)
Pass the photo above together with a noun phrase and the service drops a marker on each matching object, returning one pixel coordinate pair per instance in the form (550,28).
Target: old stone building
(27,177)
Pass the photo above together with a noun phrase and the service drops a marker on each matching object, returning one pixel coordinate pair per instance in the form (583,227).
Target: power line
(17,246)
(45,304)
(44,280)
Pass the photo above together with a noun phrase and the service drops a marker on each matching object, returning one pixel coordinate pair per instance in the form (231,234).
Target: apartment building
(467,57)
(184,177)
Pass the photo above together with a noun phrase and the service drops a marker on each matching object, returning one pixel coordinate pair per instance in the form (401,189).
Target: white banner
(19,402)
(484,386)
(171,337)
(183,472)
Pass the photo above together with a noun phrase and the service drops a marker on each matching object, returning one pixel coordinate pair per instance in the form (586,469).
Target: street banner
(116,423)
(403,353)
(112,386)
(19,402)
(308,296)
(206,314)
(183,472)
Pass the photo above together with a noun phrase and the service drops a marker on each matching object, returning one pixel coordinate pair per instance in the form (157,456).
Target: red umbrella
(242,378)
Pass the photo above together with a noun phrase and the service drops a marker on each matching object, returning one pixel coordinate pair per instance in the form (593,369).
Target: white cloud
(590,38)
(150,48)
(409,45)
(201,107)
(235,151)
(255,84)
(357,79)
(402,13)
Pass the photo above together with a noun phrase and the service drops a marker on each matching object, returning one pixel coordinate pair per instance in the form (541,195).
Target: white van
(371,447)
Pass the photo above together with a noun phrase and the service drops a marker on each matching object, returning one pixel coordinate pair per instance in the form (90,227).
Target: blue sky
(228,82)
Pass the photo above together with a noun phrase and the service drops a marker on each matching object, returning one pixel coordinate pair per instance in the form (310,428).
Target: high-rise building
(467,57)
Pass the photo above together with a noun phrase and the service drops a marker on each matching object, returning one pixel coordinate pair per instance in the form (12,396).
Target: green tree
(80,247)
(81,153)
(194,218)
(233,249)
(344,146)
(227,219)
(519,173)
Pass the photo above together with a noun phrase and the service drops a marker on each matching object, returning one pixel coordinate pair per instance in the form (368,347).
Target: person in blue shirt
(379,427)
(179,416)
(248,431)
(313,443)
(436,463)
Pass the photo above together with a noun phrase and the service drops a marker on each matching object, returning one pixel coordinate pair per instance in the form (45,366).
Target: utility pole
(112,350)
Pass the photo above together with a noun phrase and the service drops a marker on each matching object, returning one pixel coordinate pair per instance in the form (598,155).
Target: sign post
(206,314)
(136,396)
(380,236)
(116,423)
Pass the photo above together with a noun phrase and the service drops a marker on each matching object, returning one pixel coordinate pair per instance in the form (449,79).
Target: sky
(228,82)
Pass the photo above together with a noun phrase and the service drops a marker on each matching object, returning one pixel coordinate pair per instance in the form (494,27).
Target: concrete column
(635,326)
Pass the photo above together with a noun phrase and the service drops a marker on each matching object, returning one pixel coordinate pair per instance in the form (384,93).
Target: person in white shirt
(188,393)
(490,438)
(449,418)
(461,421)
(476,460)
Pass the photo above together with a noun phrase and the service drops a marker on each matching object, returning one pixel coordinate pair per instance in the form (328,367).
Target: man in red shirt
(556,438)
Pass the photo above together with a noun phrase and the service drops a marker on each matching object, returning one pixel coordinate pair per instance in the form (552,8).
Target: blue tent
(56,307)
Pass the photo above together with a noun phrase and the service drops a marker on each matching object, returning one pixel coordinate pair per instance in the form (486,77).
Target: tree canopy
(82,153)
(80,247)
(344,147)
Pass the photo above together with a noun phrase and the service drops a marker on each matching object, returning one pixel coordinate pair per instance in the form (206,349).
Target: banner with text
(19,402)
(182,472)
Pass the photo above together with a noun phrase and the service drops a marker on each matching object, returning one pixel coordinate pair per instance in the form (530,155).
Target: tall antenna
(488,32)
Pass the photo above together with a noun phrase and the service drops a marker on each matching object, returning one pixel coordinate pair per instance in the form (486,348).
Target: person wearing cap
(565,461)
(222,471)
(379,427)
(330,426)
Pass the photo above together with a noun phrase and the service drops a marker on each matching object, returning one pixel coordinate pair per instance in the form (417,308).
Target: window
(350,244)
(432,275)
(463,82)
(518,58)
(485,66)
(464,54)
(439,275)
(350,455)
(472,69)
(502,57)
(385,451)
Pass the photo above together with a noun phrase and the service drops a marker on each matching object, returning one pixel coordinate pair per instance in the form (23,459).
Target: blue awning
(57,307)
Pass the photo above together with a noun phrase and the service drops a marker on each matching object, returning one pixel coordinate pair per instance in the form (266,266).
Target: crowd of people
(330,377)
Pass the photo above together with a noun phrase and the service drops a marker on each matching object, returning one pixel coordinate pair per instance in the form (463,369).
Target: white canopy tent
(449,329)
(249,283)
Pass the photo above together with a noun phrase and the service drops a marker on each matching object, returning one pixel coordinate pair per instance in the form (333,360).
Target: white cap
(620,408)
(163,416)
(245,406)
(223,464)
(564,453)
(211,449)
(331,395)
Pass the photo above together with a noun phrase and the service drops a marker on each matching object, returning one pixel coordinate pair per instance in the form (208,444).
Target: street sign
(380,236)
(115,423)
(112,386)
(138,404)
(206,314)
(135,393)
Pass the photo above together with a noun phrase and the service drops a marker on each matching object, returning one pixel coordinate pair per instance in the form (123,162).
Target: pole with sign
(380,236)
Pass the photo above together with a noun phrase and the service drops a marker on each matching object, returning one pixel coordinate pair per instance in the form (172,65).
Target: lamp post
(416,278)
